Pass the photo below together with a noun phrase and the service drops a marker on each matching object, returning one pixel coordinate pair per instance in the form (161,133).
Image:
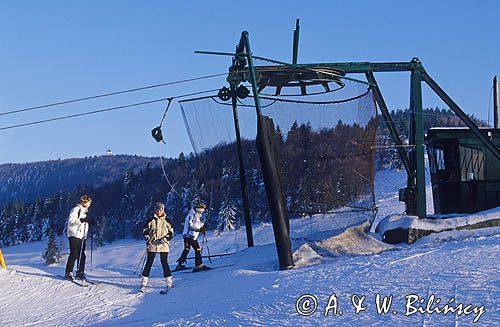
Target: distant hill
(31,181)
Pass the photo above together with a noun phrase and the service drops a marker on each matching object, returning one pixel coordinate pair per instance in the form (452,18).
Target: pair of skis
(142,290)
(79,282)
(191,270)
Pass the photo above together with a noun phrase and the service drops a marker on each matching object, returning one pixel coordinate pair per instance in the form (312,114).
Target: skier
(158,231)
(78,226)
(193,225)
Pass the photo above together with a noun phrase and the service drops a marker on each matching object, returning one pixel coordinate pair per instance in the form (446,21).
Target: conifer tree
(51,254)
(227,215)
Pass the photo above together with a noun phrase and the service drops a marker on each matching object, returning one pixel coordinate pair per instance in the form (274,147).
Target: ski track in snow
(48,300)
(254,292)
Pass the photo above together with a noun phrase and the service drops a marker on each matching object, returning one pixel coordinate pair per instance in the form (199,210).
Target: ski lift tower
(414,194)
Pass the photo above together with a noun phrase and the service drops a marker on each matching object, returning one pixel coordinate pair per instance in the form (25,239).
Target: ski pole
(91,248)
(208,249)
(81,247)
(140,262)
(143,261)
(208,218)
(80,256)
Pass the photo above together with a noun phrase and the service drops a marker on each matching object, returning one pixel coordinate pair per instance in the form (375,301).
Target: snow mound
(460,235)
(355,240)
(436,223)
(306,256)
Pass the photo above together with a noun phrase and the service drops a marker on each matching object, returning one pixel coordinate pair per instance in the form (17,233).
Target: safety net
(325,151)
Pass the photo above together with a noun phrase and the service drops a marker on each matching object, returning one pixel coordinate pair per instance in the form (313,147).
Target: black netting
(325,148)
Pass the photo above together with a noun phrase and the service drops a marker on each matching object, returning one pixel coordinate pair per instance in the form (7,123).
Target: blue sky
(58,50)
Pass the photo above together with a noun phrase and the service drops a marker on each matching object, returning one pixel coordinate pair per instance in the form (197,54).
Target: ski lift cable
(182,96)
(81,114)
(109,94)
(165,173)
(160,137)
(166,110)
(101,110)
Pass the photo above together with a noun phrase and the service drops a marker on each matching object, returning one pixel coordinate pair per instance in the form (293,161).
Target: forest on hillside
(316,172)
(320,171)
(37,180)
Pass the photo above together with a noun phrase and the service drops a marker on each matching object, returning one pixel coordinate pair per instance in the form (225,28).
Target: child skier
(158,231)
(78,227)
(193,225)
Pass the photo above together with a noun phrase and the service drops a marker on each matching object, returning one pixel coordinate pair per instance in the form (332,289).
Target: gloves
(160,241)
(87,220)
(147,238)
(169,236)
(203,229)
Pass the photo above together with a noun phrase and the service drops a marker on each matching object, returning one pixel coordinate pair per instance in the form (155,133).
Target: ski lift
(283,77)
(157,134)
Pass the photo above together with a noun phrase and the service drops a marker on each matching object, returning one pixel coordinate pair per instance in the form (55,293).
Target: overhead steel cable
(103,110)
(109,94)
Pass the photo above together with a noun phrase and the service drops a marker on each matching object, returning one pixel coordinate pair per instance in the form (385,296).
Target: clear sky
(59,50)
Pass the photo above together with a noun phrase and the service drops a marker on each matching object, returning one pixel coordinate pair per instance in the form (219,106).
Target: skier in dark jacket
(193,225)
(158,232)
(78,227)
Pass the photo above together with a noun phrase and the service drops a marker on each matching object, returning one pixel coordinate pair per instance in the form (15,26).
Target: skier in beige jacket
(158,231)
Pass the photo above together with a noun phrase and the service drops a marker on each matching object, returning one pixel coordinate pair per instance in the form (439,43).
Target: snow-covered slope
(335,256)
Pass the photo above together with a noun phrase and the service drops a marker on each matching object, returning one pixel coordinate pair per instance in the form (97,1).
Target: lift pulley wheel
(224,94)
(242,92)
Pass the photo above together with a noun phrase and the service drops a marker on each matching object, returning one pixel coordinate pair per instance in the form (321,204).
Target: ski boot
(180,266)
(144,282)
(80,275)
(69,276)
(201,267)
(168,285)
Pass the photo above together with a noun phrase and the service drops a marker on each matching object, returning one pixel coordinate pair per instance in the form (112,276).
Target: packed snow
(437,223)
(338,260)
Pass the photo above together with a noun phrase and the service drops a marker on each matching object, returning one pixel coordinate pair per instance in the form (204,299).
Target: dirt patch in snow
(355,240)
(306,256)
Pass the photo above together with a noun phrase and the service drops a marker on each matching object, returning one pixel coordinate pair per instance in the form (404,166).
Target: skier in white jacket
(193,225)
(78,227)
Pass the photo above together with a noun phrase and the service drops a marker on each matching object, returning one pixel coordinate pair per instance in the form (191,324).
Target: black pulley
(157,135)
(224,94)
(242,92)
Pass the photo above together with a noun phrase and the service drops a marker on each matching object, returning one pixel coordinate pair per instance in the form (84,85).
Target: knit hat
(85,199)
(200,205)
(159,206)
